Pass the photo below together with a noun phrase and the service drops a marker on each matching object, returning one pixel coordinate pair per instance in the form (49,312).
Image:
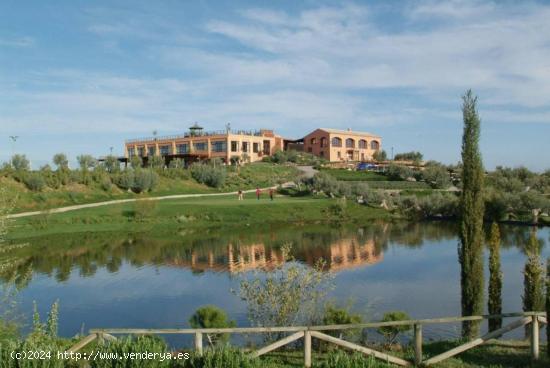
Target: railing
(318,332)
(256,133)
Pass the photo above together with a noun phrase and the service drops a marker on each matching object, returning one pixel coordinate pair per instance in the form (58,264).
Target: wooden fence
(319,332)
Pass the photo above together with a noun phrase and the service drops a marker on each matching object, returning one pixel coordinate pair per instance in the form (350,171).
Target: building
(198,145)
(342,145)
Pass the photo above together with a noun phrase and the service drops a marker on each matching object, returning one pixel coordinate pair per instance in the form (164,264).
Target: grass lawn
(202,212)
(247,177)
(350,175)
(487,356)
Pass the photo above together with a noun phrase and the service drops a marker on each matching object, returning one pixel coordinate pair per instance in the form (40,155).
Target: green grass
(202,212)
(350,175)
(247,177)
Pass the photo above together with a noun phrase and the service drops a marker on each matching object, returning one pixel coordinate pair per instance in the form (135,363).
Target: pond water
(156,279)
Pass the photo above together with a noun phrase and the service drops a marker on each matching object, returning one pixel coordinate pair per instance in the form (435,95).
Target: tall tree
(471,218)
(548,305)
(533,279)
(495,278)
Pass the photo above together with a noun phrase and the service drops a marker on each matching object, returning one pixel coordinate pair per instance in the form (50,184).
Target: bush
(341,316)
(398,172)
(437,176)
(111,164)
(144,181)
(211,316)
(409,156)
(60,161)
(323,182)
(125,180)
(144,209)
(20,162)
(140,344)
(439,205)
(224,358)
(106,184)
(213,176)
(34,181)
(391,332)
(380,156)
(341,359)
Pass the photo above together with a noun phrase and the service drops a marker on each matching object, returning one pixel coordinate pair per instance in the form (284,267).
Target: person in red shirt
(258,193)
(271,193)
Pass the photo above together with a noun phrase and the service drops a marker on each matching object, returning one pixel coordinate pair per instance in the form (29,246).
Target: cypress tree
(533,279)
(472,209)
(495,279)
(548,305)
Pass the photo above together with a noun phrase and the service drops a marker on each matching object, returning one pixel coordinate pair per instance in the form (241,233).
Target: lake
(157,278)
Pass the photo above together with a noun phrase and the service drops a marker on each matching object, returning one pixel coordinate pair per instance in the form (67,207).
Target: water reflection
(158,277)
(241,250)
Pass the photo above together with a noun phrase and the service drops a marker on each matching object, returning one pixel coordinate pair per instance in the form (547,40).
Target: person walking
(271,193)
(258,193)
(240,195)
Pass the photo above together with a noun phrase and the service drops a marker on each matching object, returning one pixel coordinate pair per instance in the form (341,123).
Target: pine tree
(533,279)
(495,278)
(472,209)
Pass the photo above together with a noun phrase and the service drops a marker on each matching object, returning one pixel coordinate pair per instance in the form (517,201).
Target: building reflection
(345,253)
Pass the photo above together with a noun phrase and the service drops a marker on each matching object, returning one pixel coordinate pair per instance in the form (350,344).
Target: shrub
(224,358)
(213,176)
(86,162)
(380,156)
(125,180)
(437,176)
(390,333)
(106,184)
(111,164)
(409,156)
(156,162)
(140,344)
(20,162)
(438,205)
(289,295)
(60,161)
(341,359)
(136,162)
(341,316)
(177,163)
(211,316)
(34,181)
(398,172)
(323,182)
(144,209)
(144,180)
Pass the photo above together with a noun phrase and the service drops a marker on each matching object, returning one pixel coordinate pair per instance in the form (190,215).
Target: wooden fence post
(417,344)
(198,342)
(307,349)
(535,338)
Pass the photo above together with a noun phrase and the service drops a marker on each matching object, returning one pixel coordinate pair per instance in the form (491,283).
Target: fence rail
(309,332)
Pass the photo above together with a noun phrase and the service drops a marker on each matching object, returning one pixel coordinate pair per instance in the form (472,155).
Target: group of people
(271,192)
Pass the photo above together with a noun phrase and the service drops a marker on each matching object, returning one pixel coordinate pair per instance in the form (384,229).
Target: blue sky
(82,76)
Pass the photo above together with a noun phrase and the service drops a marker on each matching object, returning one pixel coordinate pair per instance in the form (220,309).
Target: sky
(83,76)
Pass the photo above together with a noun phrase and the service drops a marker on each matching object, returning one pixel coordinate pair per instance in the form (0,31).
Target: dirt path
(119,201)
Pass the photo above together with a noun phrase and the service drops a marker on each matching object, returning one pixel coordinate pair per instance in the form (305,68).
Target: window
(255,147)
(219,146)
(350,143)
(374,145)
(182,148)
(164,150)
(151,151)
(313,141)
(131,152)
(336,142)
(141,151)
(323,142)
(245,147)
(234,146)
(362,143)
(200,146)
